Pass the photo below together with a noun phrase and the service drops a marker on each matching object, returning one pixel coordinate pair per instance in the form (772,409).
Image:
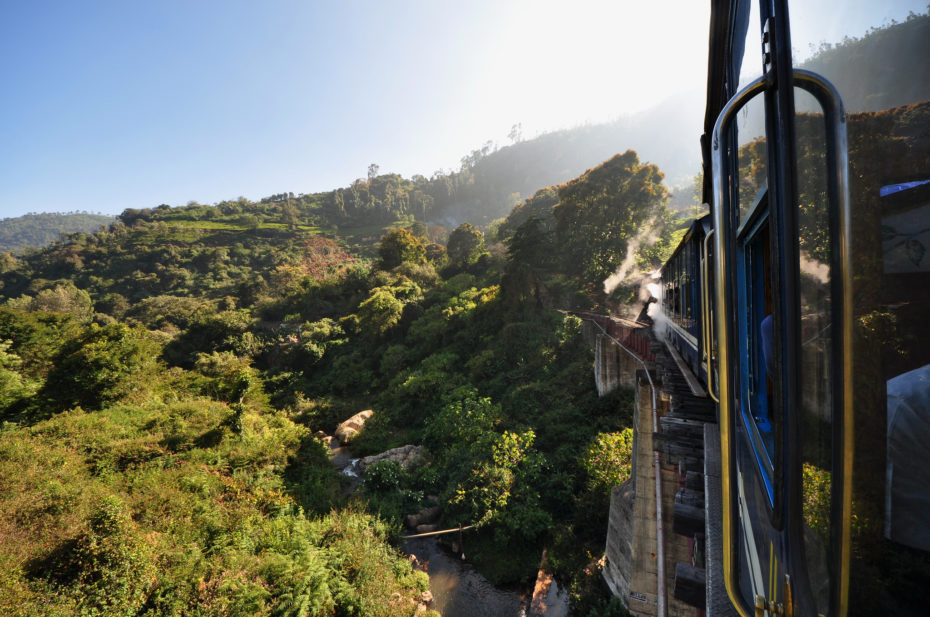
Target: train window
(756,346)
(816,417)
(752,157)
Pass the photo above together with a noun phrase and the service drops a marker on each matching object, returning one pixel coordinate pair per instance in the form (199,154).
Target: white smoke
(625,271)
(655,310)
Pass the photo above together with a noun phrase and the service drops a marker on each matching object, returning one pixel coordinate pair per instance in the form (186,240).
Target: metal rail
(438,533)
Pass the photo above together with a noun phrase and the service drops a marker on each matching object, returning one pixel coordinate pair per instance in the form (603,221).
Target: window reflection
(816,343)
(882,72)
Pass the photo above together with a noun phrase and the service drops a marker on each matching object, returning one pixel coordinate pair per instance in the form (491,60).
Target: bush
(383,476)
(117,567)
(101,367)
(608,460)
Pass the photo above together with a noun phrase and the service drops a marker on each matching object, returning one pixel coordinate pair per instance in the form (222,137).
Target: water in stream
(458,589)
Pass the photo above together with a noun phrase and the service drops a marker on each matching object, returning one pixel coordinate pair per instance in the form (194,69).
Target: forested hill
(166,382)
(860,66)
(492,181)
(39,230)
(489,182)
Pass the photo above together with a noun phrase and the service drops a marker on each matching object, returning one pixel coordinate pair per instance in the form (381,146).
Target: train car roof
(698,227)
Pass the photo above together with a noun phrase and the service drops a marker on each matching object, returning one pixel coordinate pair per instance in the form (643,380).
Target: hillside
(174,373)
(39,230)
(861,66)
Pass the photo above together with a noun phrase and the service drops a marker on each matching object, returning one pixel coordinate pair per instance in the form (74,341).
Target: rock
(347,431)
(426,528)
(405,456)
(426,597)
(426,515)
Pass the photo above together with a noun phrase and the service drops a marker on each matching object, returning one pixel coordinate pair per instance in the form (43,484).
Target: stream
(458,589)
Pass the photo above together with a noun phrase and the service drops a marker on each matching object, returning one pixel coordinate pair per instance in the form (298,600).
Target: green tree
(600,212)
(466,245)
(13,385)
(65,298)
(531,256)
(399,246)
(608,460)
(380,312)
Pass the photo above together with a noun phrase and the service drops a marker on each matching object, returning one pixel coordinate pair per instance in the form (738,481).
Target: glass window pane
(752,156)
(816,341)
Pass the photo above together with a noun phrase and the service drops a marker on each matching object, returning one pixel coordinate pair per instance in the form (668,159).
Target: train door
(759,320)
(750,197)
(865,481)
(823,271)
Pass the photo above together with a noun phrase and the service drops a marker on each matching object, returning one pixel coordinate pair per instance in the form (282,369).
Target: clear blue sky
(114,105)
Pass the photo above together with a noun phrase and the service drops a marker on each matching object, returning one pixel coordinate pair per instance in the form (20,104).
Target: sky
(112,105)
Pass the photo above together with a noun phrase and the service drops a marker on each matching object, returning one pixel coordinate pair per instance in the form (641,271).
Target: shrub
(117,567)
(608,460)
(101,367)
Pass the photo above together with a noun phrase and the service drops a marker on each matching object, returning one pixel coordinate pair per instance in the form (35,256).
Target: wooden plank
(687,520)
(693,383)
(689,497)
(689,585)
(694,480)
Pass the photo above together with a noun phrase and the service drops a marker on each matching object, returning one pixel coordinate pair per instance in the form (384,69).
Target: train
(802,304)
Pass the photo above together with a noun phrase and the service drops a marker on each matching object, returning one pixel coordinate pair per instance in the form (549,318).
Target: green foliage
(503,490)
(102,366)
(40,230)
(815,509)
(399,246)
(233,378)
(421,390)
(383,476)
(600,212)
(214,528)
(380,312)
(464,426)
(465,245)
(167,312)
(608,460)
(318,336)
(224,331)
(61,298)
(116,566)
(14,386)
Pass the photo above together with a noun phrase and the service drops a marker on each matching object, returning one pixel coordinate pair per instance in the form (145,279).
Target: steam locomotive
(802,301)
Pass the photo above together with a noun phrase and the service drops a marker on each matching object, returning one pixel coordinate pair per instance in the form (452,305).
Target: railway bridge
(660,561)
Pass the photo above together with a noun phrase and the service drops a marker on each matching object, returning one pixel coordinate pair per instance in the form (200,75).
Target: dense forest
(39,230)
(166,383)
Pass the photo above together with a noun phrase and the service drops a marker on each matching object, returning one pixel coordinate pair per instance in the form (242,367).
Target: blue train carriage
(817,169)
(683,291)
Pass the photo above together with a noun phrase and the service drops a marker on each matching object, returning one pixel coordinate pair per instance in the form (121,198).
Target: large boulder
(425,517)
(347,431)
(405,456)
